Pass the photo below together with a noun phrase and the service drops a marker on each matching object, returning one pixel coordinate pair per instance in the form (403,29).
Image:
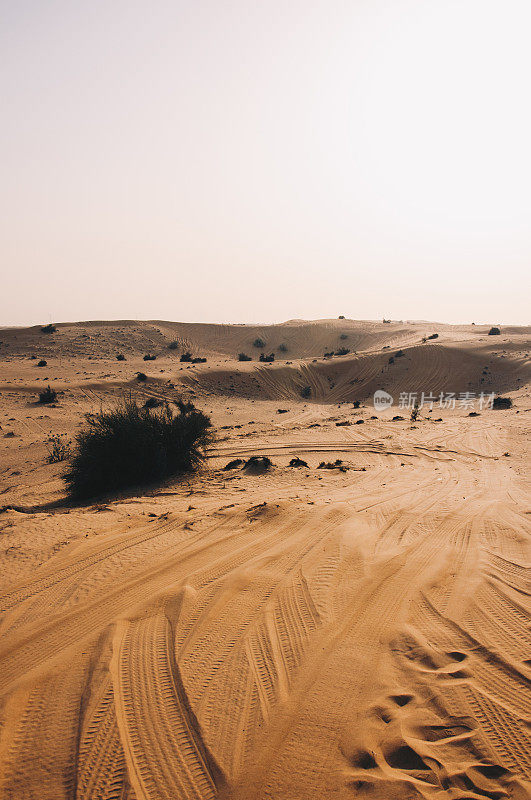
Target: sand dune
(305,633)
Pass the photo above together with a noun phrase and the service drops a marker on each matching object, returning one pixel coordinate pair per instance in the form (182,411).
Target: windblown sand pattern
(298,634)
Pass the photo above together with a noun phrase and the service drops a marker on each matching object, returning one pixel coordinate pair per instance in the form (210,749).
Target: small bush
(173,345)
(49,328)
(391,360)
(186,357)
(356,403)
(283,348)
(269,358)
(198,360)
(399,354)
(386,321)
(494,332)
(120,357)
(259,342)
(149,357)
(152,402)
(337,464)
(130,446)
(256,465)
(328,355)
(306,391)
(48,395)
(502,402)
(343,336)
(297,462)
(58,449)
(434,336)
(237,462)
(141,376)
(244,357)
(342,351)
(341,316)
(42,363)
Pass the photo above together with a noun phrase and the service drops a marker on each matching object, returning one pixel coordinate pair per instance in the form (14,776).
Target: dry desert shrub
(133,446)
(48,395)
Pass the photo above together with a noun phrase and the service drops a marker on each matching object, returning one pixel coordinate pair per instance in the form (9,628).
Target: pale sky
(256,162)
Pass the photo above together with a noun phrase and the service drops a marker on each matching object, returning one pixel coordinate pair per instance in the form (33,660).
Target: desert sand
(299,634)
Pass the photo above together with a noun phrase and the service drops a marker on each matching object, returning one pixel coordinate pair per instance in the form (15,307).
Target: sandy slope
(300,634)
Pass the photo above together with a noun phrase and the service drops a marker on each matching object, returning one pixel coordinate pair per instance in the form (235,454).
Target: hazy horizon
(258,323)
(255,164)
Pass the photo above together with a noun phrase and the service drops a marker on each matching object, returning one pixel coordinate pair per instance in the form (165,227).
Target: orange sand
(297,635)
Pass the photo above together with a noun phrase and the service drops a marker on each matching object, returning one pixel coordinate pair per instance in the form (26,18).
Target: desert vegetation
(47,395)
(494,331)
(502,402)
(130,446)
(58,447)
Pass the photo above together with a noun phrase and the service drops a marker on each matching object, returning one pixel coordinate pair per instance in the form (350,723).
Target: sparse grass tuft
(259,342)
(132,446)
(58,449)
